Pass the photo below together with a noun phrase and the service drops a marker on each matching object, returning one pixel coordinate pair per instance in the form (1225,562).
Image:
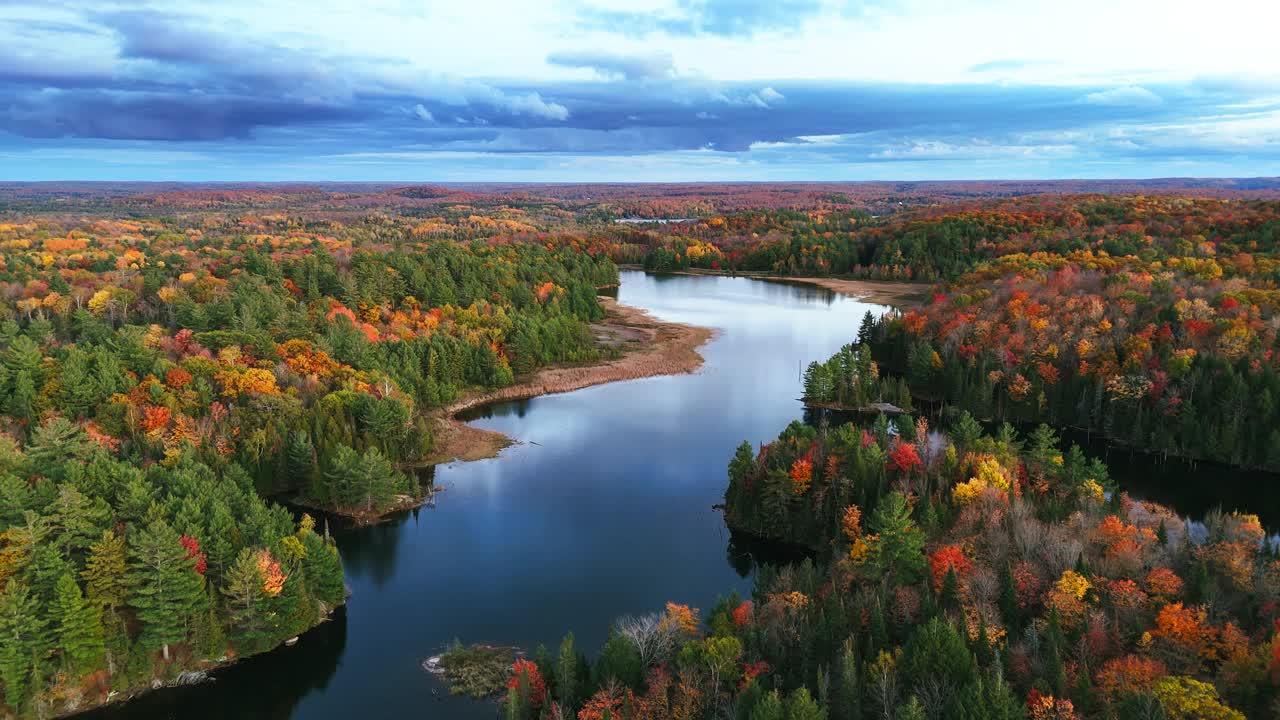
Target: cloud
(147,116)
(168,77)
(973,150)
(768,97)
(1128,95)
(153,83)
(530,104)
(616,65)
(1007,65)
(725,18)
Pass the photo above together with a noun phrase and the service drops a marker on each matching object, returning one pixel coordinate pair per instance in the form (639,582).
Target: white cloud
(764,98)
(771,96)
(423,114)
(533,105)
(939,150)
(1129,95)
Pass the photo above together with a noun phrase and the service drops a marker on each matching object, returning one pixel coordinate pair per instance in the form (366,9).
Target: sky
(639,90)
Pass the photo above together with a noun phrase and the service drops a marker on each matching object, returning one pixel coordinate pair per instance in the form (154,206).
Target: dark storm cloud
(145,116)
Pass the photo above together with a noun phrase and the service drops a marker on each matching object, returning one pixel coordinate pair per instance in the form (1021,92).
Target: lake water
(605,509)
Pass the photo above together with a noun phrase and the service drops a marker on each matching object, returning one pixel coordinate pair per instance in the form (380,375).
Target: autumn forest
(198,384)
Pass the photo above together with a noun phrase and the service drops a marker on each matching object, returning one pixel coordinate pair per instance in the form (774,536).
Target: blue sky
(646,90)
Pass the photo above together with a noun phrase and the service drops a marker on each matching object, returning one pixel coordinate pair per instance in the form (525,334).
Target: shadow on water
(604,509)
(747,553)
(1192,489)
(263,687)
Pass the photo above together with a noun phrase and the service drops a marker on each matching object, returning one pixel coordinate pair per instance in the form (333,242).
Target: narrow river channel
(605,509)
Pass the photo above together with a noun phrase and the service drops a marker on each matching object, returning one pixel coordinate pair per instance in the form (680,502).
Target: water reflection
(605,509)
(265,687)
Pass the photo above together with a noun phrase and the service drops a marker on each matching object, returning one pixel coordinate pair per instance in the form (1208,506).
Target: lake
(604,509)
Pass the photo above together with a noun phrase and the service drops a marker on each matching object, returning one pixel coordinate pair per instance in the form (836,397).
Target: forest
(161,378)
(952,573)
(176,360)
(1151,320)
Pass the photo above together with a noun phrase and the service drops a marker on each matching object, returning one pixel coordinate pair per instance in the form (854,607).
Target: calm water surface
(605,509)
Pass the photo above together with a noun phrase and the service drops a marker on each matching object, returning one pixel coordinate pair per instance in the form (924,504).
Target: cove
(604,509)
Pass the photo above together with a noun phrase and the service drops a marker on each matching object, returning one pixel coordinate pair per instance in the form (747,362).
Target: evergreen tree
(801,706)
(898,552)
(323,569)
(619,661)
(104,573)
(769,708)
(910,710)
(23,643)
(79,628)
(848,697)
(78,519)
(246,601)
(565,675)
(208,639)
(166,589)
(57,443)
(937,653)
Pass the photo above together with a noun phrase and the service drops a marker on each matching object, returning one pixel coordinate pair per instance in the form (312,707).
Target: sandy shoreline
(649,346)
(883,292)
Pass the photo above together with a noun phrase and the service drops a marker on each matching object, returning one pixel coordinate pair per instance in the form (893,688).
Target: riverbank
(649,347)
(204,672)
(882,292)
(897,293)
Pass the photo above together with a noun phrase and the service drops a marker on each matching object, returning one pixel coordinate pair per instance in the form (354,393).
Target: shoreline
(202,675)
(882,292)
(650,347)
(898,293)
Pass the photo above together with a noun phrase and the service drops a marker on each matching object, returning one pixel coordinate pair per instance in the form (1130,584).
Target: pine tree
(936,653)
(801,706)
(300,456)
(911,709)
(878,637)
(79,628)
(323,569)
(981,646)
(769,708)
(104,572)
(293,610)
(566,665)
(23,642)
(950,594)
(848,696)
(220,545)
(246,601)
(207,639)
(898,552)
(57,443)
(1054,641)
(740,469)
(166,589)
(78,519)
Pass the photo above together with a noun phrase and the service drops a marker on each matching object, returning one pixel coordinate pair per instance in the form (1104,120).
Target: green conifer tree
(166,589)
(79,628)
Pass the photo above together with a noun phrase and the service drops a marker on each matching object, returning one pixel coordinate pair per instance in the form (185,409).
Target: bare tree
(653,636)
